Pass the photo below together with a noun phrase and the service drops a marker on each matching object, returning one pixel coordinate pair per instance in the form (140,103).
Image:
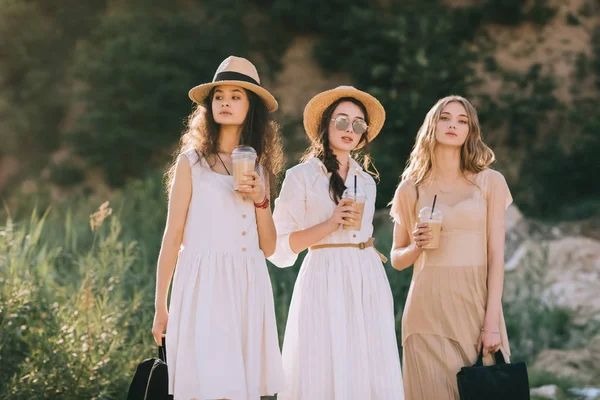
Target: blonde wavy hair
(475,155)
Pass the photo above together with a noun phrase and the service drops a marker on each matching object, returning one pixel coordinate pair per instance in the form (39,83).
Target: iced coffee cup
(434,220)
(244,160)
(357,200)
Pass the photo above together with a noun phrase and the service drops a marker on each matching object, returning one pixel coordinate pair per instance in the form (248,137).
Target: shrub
(70,321)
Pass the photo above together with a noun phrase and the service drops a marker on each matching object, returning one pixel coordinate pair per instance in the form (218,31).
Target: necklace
(228,173)
(443,191)
(439,186)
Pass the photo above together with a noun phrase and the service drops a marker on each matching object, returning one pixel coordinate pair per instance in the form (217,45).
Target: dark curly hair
(258,131)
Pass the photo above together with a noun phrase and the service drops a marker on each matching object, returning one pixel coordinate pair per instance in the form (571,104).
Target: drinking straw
(433,206)
(354,187)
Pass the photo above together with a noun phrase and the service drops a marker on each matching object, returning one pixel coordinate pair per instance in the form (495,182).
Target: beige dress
(447,299)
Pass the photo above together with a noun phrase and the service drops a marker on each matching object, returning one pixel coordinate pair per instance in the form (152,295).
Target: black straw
(354,187)
(433,206)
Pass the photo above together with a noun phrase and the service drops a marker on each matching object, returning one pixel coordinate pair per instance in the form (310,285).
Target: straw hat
(235,71)
(313,111)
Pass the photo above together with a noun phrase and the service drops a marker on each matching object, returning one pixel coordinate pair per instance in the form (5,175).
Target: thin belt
(361,245)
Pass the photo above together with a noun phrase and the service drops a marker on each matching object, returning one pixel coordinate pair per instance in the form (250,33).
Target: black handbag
(495,382)
(151,379)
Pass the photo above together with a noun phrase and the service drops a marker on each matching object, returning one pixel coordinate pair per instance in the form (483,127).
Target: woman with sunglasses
(340,338)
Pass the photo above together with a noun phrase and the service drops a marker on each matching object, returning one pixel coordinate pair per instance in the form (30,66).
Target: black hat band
(234,76)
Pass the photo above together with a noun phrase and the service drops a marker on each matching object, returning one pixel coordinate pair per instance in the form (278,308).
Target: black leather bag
(151,379)
(495,382)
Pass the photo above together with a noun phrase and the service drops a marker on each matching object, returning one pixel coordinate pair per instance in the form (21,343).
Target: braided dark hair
(321,149)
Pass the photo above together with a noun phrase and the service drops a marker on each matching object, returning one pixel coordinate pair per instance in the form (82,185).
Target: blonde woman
(340,337)
(454,305)
(221,335)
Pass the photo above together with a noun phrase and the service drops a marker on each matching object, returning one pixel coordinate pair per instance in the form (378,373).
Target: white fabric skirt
(340,339)
(222,335)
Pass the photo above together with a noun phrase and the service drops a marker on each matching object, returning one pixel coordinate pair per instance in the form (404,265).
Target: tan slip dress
(446,303)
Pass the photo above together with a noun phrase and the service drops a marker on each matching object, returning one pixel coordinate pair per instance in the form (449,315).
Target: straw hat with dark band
(235,71)
(313,111)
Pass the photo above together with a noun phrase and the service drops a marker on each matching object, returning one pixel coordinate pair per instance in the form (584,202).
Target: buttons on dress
(243,215)
(354,235)
(244,233)
(243,249)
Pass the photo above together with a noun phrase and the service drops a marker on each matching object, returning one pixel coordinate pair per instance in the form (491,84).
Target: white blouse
(305,201)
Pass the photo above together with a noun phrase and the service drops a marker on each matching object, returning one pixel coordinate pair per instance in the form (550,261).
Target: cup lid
(245,150)
(349,192)
(425,213)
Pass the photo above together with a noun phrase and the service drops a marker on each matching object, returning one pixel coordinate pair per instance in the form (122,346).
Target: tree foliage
(135,82)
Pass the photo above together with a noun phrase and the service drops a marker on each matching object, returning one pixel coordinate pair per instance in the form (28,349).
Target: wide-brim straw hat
(313,112)
(236,71)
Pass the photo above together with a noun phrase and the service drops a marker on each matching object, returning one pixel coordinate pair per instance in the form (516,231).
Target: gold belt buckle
(362,245)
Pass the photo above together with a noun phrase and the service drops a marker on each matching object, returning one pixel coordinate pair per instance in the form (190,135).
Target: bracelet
(483,330)
(264,204)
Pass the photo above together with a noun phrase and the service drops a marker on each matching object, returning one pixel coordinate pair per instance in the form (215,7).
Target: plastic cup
(435,223)
(244,160)
(357,200)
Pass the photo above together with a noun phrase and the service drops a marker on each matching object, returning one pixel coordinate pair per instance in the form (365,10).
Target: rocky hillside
(558,47)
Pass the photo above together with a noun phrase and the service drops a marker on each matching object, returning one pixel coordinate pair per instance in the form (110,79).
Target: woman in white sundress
(340,338)
(221,335)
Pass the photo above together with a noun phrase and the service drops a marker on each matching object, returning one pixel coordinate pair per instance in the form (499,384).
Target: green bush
(70,321)
(66,175)
(515,12)
(399,280)
(541,12)
(506,12)
(31,72)
(533,321)
(541,378)
(310,16)
(571,194)
(141,206)
(525,104)
(555,144)
(596,55)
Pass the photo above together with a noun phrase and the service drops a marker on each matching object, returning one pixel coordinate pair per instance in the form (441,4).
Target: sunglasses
(342,123)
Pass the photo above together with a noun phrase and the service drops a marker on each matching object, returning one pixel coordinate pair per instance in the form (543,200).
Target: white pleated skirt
(340,339)
(222,335)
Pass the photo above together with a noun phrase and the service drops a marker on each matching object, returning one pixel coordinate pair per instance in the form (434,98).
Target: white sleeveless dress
(221,335)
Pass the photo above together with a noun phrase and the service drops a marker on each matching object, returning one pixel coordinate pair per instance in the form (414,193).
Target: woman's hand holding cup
(422,235)
(252,186)
(344,214)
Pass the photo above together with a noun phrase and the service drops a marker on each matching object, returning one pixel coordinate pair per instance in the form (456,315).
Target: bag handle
(162,351)
(497,355)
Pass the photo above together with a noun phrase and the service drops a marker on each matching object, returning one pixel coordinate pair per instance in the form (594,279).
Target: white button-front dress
(221,335)
(340,338)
